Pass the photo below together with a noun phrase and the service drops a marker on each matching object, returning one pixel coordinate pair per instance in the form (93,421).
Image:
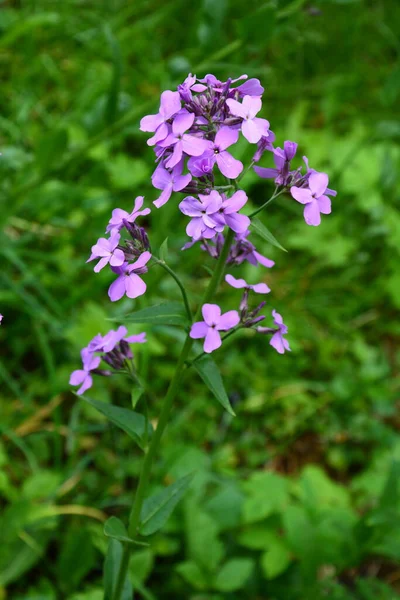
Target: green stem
(165,413)
(180,284)
(260,208)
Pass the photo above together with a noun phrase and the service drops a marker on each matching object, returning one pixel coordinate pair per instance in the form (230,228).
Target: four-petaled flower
(229,166)
(182,141)
(253,128)
(314,197)
(282,158)
(258,288)
(213,323)
(278,341)
(202,213)
(128,281)
(108,252)
(228,212)
(83,377)
(168,182)
(119,215)
(170,104)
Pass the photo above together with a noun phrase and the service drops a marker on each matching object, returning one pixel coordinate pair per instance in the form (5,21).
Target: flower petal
(117,289)
(251,132)
(260,288)
(318,182)
(211,313)
(236,283)
(324,204)
(236,108)
(226,137)
(87,383)
(212,341)
(228,320)
(311,213)
(235,202)
(229,166)
(302,195)
(135,286)
(77,377)
(199,330)
(140,262)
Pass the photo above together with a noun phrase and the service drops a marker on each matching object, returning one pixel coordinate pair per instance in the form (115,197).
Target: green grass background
(296,498)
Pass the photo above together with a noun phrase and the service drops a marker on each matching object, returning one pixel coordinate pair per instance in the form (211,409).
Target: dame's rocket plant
(193,135)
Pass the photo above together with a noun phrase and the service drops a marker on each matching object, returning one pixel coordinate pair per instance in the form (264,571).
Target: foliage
(297,496)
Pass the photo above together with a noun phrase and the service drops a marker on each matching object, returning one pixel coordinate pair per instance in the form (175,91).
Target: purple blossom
(108,251)
(228,212)
(277,340)
(83,377)
(282,160)
(181,141)
(169,182)
(202,213)
(128,281)
(243,250)
(170,104)
(116,223)
(258,288)
(201,166)
(1,318)
(213,323)
(251,87)
(314,197)
(264,144)
(229,166)
(253,128)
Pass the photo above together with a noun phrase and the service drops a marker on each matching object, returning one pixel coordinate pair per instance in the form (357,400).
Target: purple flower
(1,318)
(251,87)
(119,215)
(213,323)
(282,160)
(253,128)
(169,182)
(258,288)
(128,282)
(277,340)
(264,144)
(113,337)
(244,250)
(228,212)
(201,166)
(181,141)
(83,377)
(108,251)
(314,198)
(202,213)
(229,166)
(169,106)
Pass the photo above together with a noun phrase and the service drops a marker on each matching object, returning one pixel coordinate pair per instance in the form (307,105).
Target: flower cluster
(113,349)
(192,135)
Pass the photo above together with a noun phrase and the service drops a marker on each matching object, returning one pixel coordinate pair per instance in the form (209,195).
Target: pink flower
(213,323)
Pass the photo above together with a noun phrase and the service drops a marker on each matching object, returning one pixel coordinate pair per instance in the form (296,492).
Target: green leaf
(114,528)
(167,313)
(111,569)
(266,493)
(276,559)
(209,372)
(136,394)
(163,254)
(129,421)
(141,565)
(265,233)
(192,574)
(158,508)
(234,574)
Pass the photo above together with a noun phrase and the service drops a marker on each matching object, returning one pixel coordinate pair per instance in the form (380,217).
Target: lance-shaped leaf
(265,233)
(129,421)
(167,313)
(114,528)
(157,509)
(112,566)
(209,372)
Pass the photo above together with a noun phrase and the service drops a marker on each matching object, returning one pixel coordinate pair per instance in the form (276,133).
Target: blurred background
(298,497)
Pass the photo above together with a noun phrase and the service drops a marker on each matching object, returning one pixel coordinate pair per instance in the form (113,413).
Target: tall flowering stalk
(192,135)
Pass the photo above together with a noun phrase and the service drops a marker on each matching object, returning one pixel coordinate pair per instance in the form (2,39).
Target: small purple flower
(169,106)
(83,377)
(201,166)
(1,318)
(253,128)
(228,212)
(229,166)
(202,213)
(264,144)
(116,223)
(108,251)
(244,250)
(169,182)
(277,340)
(113,337)
(282,160)
(258,288)
(213,323)
(181,141)
(314,198)
(128,281)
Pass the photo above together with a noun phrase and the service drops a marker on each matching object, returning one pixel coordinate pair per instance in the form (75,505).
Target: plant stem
(224,337)
(260,208)
(173,389)
(180,284)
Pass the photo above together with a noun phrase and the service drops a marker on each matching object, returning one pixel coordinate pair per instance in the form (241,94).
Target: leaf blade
(265,233)
(166,313)
(209,372)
